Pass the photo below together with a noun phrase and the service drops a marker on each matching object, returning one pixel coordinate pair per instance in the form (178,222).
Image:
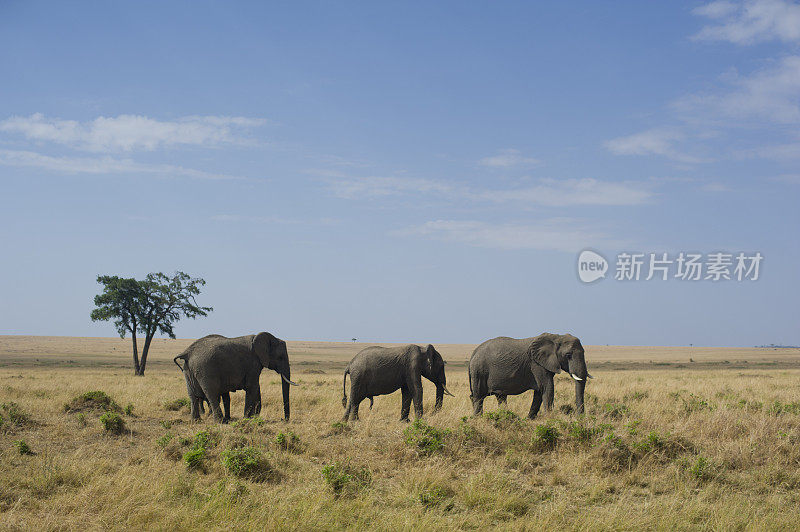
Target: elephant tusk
(589,376)
(446,391)
(575,377)
(287,380)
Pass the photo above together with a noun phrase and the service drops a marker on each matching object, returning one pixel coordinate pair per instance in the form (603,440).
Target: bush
(164,440)
(615,410)
(545,437)
(129,409)
(195,459)
(176,404)
(344,478)
(203,440)
(502,418)
(700,469)
(12,414)
(113,423)
(425,438)
(22,447)
(288,441)
(247,462)
(95,400)
(81,417)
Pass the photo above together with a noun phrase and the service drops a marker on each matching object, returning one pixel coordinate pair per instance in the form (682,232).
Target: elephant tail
(469,378)
(182,356)
(344,387)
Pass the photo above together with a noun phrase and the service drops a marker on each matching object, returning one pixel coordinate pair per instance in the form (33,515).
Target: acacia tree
(149,306)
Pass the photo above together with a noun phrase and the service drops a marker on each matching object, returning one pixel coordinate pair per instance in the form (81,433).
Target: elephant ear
(430,353)
(261,347)
(543,352)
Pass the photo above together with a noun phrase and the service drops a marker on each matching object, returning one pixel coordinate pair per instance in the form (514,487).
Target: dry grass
(661,447)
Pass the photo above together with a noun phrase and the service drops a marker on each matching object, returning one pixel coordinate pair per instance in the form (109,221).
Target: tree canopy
(147,306)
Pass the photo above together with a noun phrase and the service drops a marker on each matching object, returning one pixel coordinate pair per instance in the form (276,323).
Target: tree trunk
(145,350)
(135,353)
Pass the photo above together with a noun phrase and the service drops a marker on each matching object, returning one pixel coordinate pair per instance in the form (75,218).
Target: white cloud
(102,165)
(508,158)
(548,192)
(130,132)
(750,21)
(771,95)
(652,142)
(558,234)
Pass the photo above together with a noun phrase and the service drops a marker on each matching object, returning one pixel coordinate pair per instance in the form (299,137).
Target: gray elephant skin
(216,365)
(381,370)
(509,366)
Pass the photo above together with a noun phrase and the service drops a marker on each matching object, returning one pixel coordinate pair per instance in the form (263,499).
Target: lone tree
(148,306)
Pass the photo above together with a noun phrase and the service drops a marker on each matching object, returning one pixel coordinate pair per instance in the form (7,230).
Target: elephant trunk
(285,384)
(580,386)
(439,397)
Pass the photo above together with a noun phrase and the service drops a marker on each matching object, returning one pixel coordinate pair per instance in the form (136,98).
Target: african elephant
(508,366)
(381,370)
(215,366)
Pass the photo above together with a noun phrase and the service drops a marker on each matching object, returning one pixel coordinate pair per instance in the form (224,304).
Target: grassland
(674,438)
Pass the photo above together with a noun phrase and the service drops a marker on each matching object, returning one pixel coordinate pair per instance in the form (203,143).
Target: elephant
(381,370)
(509,366)
(215,365)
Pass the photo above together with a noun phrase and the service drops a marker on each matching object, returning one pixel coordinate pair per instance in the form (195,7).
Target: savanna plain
(672,438)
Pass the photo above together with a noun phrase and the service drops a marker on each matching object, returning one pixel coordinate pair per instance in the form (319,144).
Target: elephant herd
(214,366)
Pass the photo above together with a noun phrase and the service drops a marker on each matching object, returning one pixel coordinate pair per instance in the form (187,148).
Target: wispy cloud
(559,234)
(768,96)
(547,192)
(750,21)
(652,142)
(130,132)
(99,165)
(508,158)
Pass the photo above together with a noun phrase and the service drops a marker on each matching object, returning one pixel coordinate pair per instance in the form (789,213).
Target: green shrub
(176,404)
(425,438)
(700,469)
(581,432)
(288,441)
(22,447)
(615,410)
(94,400)
(247,462)
(81,417)
(545,437)
(340,427)
(636,396)
(694,403)
(436,496)
(164,440)
(13,414)
(195,459)
(113,423)
(779,408)
(344,478)
(203,440)
(129,409)
(502,418)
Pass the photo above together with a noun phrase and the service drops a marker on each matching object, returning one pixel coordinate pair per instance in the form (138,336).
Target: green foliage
(113,423)
(694,403)
(22,447)
(436,496)
(779,408)
(581,432)
(340,427)
(545,437)
(633,427)
(94,400)
(195,459)
(700,469)
(129,409)
(502,418)
(288,441)
(653,441)
(343,478)
(636,396)
(467,431)
(176,404)
(204,440)
(425,438)
(247,462)
(249,424)
(13,415)
(81,417)
(165,439)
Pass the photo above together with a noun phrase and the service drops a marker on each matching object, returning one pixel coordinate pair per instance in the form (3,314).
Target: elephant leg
(417,396)
(477,405)
(213,396)
(226,403)
(197,407)
(501,400)
(354,411)
(406,404)
(537,402)
(548,391)
(252,401)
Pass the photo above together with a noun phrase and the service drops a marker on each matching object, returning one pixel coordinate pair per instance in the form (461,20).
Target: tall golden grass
(668,448)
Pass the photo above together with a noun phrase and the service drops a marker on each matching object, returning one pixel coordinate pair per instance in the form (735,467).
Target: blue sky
(403,171)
